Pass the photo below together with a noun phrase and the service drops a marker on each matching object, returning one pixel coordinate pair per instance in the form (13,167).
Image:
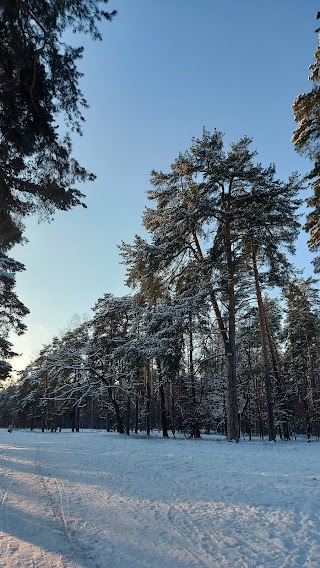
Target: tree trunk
(118,416)
(43,423)
(116,411)
(163,411)
(78,419)
(128,415)
(277,375)
(147,397)
(232,400)
(266,366)
(232,419)
(173,411)
(310,376)
(136,415)
(73,420)
(108,421)
(54,423)
(195,430)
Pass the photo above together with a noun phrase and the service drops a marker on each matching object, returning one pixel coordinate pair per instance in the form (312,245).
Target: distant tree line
(138,367)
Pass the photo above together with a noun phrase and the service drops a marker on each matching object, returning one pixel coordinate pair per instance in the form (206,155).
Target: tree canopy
(39,85)
(212,206)
(41,103)
(306,139)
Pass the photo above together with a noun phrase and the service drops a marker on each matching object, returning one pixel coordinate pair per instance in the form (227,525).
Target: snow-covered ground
(99,500)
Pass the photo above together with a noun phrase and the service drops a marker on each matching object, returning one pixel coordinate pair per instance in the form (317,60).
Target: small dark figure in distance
(10,428)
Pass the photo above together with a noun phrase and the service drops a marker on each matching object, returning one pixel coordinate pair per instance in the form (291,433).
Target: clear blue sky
(164,69)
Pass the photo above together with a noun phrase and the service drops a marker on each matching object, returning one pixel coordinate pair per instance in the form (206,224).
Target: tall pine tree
(203,208)
(306,139)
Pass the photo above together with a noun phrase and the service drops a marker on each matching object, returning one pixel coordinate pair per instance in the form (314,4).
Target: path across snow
(99,500)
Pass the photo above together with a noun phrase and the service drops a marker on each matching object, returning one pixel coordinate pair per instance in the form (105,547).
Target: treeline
(219,334)
(137,367)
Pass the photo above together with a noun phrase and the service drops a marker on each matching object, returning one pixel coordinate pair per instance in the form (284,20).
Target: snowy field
(99,500)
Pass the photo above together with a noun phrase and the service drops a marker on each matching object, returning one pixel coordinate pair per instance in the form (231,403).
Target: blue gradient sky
(165,69)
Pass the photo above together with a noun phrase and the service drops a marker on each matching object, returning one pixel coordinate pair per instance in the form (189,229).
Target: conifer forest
(219,331)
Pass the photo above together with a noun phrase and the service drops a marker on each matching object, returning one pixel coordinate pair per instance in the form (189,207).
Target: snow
(101,500)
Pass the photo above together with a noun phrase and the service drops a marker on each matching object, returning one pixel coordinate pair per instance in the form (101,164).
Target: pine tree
(39,84)
(204,210)
(302,352)
(306,139)
(272,226)
(39,92)
(12,310)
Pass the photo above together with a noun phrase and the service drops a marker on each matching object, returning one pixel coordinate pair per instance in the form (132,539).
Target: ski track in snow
(99,500)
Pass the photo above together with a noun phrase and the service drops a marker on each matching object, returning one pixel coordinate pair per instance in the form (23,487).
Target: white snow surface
(101,500)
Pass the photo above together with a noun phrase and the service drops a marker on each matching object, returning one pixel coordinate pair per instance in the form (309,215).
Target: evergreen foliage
(210,209)
(40,103)
(199,346)
(306,139)
(302,342)
(137,367)
(39,87)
